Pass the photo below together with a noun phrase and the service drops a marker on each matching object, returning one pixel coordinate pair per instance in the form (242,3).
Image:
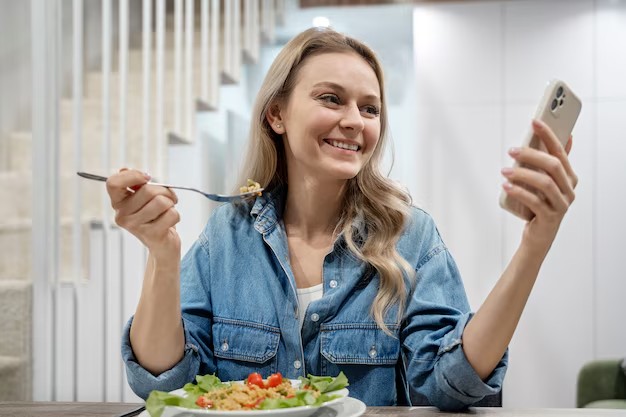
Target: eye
(372,110)
(330,98)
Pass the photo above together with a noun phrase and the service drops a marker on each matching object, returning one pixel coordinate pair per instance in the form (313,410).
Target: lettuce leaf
(325,383)
(208,382)
(158,400)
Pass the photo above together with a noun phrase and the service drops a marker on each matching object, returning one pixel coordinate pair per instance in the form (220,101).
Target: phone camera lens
(559,92)
(555,103)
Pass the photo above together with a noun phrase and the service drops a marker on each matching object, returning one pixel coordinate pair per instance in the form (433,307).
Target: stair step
(16,313)
(94,80)
(20,151)
(92,110)
(134,58)
(15,247)
(15,340)
(19,186)
(15,377)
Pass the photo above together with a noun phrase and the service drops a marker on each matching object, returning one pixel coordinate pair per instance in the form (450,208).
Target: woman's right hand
(146,211)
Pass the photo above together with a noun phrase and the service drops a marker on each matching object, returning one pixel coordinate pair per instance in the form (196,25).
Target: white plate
(302,411)
(346,407)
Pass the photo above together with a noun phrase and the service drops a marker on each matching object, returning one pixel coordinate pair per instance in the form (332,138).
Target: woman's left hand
(544,182)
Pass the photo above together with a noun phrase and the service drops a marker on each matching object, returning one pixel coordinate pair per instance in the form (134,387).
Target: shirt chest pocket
(359,344)
(241,347)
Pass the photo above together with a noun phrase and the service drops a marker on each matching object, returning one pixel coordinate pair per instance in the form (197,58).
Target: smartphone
(559,109)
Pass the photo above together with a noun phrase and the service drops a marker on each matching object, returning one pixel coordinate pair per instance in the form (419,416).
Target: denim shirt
(240,315)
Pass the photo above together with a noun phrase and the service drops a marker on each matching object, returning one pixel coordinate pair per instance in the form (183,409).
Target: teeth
(342,145)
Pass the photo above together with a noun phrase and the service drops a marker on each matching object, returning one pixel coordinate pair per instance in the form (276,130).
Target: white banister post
(236,40)
(160,79)
(228,40)
(178,64)
(204,50)
(251,30)
(146,48)
(123,84)
(267,20)
(189,70)
(45,205)
(106,166)
(280,12)
(77,249)
(214,57)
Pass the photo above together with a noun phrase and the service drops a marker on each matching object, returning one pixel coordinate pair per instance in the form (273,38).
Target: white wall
(480,69)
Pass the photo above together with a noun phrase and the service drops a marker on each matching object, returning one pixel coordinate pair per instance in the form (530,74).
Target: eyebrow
(343,90)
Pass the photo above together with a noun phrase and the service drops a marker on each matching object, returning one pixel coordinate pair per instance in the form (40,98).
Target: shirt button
(315,317)
(224,346)
(332,283)
(297,364)
(373,352)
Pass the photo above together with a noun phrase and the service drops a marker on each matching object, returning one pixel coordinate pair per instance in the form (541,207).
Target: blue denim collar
(268,209)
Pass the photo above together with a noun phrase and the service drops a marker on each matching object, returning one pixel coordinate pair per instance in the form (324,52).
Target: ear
(274,118)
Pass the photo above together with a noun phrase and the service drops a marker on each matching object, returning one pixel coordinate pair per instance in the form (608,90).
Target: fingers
(144,210)
(160,226)
(544,182)
(142,197)
(154,208)
(120,184)
(555,148)
(527,198)
(540,186)
(568,145)
(548,165)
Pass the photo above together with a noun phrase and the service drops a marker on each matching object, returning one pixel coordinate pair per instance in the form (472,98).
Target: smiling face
(330,123)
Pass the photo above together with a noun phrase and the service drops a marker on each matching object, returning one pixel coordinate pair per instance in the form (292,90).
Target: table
(63,409)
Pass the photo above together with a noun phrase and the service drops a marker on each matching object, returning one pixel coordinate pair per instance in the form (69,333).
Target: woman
(331,269)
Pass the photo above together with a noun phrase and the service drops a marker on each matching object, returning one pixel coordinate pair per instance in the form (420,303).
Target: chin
(341,171)
(345,175)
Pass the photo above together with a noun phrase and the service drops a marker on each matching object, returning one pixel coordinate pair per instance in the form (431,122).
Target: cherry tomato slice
(274,380)
(255,378)
(204,402)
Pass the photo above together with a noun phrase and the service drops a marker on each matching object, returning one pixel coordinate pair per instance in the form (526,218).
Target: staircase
(16,263)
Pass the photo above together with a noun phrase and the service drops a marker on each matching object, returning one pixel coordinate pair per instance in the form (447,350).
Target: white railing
(78,315)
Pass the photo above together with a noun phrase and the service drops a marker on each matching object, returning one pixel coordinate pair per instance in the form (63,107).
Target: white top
(305,296)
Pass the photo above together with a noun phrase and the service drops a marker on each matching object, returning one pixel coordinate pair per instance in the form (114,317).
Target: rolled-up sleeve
(196,316)
(141,381)
(438,373)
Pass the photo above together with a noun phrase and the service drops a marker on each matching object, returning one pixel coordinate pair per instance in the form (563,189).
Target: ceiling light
(321,21)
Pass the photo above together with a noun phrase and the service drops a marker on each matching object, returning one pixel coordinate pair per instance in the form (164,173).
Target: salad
(255,393)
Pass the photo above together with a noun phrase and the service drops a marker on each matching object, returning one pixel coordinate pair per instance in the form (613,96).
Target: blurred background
(167,86)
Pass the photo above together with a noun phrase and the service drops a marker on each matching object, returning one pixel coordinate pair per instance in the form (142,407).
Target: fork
(214,197)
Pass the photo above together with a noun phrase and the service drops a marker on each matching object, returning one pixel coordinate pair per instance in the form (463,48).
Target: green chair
(601,384)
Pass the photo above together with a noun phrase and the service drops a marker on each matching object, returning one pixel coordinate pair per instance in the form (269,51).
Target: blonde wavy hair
(375,208)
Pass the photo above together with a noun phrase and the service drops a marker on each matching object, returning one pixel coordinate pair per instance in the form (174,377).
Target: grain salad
(254,393)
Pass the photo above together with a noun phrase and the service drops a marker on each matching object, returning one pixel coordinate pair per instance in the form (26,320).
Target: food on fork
(250,186)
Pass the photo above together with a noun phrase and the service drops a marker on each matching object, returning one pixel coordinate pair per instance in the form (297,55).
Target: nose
(352,119)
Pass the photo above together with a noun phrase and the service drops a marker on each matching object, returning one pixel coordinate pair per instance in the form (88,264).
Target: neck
(312,208)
